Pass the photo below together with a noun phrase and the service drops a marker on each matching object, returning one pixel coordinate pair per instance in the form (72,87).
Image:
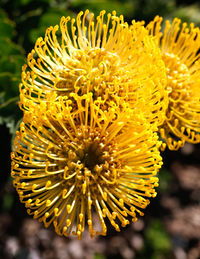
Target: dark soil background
(171,225)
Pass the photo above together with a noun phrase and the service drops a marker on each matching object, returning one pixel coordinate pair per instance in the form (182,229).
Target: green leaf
(9,84)
(50,18)
(2,14)
(99,256)
(188,13)
(12,64)
(36,33)
(53,16)
(127,8)
(7,47)
(165,178)
(157,237)
(2,97)
(6,28)
(8,200)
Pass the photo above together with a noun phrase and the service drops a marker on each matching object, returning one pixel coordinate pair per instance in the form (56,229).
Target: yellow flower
(69,163)
(104,56)
(179,46)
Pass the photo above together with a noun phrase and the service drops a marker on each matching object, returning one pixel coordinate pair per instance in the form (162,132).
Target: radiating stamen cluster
(105,56)
(67,164)
(93,95)
(180,52)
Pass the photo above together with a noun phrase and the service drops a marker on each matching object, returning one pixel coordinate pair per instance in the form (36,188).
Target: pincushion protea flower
(67,164)
(105,56)
(179,46)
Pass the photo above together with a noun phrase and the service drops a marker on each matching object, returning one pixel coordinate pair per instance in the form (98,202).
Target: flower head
(69,163)
(179,46)
(104,56)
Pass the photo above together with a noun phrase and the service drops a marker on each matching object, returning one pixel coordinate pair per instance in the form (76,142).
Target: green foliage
(127,8)
(50,18)
(8,200)
(188,13)
(161,8)
(99,256)
(165,178)
(6,26)
(11,61)
(157,242)
(157,238)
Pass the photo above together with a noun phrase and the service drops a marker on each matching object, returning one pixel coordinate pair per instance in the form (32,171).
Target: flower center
(91,157)
(88,70)
(90,161)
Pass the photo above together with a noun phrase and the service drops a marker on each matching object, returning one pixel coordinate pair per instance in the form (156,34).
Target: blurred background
(171,225)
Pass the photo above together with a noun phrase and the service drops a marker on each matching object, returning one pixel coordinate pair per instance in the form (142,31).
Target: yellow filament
(179,45)
(69,163)
(104,56)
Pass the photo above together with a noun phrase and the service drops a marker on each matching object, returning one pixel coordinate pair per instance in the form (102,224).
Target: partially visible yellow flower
(104,56)
(69,163)
(179,46)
